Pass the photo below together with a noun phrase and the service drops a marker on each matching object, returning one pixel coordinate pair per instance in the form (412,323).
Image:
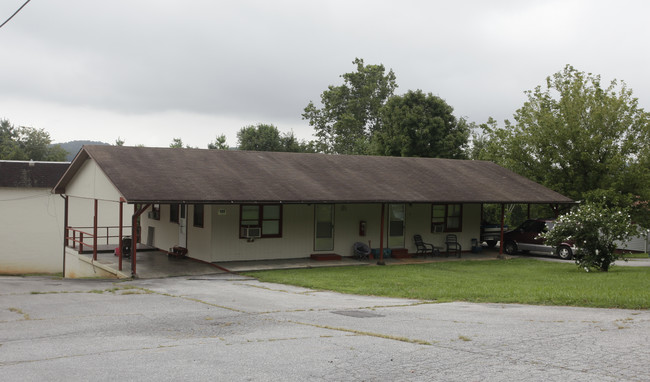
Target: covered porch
(158,264)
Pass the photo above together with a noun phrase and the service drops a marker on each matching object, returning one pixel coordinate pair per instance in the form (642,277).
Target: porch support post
(65,229)
(381,237)
(528,211)
(134,236)
(119,245)
(502,222)
(95,233)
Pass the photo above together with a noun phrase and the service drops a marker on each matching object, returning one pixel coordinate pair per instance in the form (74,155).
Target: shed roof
(29,174)
(170,175)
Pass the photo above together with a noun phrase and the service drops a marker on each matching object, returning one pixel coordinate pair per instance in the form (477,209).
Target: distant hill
(73,147)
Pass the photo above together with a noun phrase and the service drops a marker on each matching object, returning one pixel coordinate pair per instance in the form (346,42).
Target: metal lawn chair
(423,248)
(453,245)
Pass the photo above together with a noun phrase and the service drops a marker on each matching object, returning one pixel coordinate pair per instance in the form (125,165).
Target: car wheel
(510,247)
(491,243)
(564,252)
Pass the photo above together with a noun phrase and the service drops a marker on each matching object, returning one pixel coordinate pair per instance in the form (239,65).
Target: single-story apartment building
(226,205)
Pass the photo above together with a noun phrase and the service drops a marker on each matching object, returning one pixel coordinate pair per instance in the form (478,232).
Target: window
(268,217)
(198,215)
(154,214)
(446,217)
(173,213)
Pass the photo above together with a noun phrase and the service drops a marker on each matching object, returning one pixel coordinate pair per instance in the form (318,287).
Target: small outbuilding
(225,205)
(31,222)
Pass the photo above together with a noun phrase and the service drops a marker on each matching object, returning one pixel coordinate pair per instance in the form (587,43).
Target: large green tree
(350,113)
(577,137)
(420,125)
(27,143)
(266,137)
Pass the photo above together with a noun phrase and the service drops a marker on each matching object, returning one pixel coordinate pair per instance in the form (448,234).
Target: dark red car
(526,238)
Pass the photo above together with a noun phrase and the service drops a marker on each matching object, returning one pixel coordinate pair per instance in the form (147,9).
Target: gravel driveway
(227,327)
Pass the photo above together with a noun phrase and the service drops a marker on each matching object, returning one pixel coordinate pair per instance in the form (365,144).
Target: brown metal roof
(31,174)
(161,175)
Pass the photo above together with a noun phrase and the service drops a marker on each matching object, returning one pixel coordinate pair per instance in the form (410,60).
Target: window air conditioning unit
(153,215)
(438,228)
(252,232)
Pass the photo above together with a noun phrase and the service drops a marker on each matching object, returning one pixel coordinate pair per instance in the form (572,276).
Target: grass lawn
(524,281)
(636,255)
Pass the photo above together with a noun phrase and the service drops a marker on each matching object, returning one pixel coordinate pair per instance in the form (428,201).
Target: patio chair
(423,248)
(361,251)
(453,245)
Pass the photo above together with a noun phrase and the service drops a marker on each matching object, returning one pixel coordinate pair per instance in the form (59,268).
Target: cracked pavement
(229,327)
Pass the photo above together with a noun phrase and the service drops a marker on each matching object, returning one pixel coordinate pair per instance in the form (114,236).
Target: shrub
(593,228)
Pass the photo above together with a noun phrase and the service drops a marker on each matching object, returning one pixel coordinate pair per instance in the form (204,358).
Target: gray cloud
(257,61)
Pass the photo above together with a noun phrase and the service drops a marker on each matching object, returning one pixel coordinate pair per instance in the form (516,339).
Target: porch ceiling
(166,175)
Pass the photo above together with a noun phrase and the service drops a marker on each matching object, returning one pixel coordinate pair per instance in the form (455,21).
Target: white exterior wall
(31,231)
(296,241)
(166,233)
(91,183)
(218,240)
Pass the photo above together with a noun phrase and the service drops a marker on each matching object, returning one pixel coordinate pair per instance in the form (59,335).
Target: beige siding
(31,226)
(219,240)
(90,182)
(199,239)
(165,232)
(296,241)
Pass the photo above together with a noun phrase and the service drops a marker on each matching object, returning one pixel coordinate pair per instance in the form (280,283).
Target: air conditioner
(252,232)
(438,228)
(153,215)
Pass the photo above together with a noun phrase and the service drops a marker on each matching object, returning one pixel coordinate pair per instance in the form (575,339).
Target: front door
(323,227)
(396,214)
(182,226)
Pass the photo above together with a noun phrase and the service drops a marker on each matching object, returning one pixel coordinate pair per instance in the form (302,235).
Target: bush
(593,228)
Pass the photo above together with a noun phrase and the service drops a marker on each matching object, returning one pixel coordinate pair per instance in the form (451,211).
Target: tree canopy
(219,143)
(351,112)
(266,137)
(27,143)
(420,125)
(576,137)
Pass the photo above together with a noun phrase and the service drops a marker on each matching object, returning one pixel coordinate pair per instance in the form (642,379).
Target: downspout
(134,237)
(95,233)
(381,237)
(65,228)
(119,250)
(502,222)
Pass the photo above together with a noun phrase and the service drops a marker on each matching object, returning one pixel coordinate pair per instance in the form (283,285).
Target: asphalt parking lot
(228,327)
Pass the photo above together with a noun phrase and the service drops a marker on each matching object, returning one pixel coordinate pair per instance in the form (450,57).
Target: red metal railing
(80,236)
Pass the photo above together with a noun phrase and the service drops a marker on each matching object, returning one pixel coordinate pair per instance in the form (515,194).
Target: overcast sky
(149,71)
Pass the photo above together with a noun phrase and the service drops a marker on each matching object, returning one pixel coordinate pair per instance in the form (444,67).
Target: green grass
(635,255)
(524,281)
